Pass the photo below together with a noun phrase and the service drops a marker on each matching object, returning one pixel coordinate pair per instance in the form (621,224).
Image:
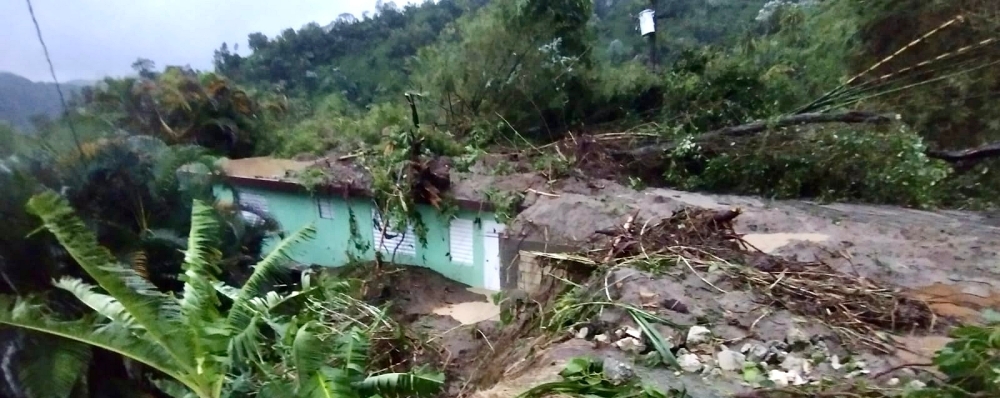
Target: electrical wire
(52,71)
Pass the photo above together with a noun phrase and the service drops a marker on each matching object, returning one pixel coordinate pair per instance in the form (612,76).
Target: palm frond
(102,304)
(139,297)
(328,383)
(172,388)
(308,354)
(199,305)
(240,314)
(31,315)
(56,370)
(412,384)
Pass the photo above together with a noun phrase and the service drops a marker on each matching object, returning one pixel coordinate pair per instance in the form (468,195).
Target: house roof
(267,167)
(341,176)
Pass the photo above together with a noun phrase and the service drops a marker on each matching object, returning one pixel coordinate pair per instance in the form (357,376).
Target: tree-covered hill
(22,99)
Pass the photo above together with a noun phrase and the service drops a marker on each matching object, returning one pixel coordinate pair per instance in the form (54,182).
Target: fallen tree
(958,158)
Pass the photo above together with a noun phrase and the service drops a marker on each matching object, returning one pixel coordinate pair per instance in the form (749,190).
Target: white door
(491,251)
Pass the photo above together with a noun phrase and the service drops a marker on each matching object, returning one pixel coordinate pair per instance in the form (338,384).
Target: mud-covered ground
(948,258)
(448,316)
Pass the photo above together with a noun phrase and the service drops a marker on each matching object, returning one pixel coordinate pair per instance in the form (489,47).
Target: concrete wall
(521,270)
(336,245)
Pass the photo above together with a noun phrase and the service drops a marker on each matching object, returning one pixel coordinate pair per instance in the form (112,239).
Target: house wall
(335,245)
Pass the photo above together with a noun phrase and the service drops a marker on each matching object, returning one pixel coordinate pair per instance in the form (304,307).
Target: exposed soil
(448,315)
(947,258)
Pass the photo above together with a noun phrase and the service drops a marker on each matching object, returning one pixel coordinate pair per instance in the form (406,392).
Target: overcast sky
(89,39)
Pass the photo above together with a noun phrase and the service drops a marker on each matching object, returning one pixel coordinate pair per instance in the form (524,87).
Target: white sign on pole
(647,24)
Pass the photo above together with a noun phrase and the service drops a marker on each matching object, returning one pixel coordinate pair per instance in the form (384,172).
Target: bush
(827,164)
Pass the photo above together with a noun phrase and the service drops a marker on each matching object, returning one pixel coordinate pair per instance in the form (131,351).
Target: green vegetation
(186,291)
(192,341)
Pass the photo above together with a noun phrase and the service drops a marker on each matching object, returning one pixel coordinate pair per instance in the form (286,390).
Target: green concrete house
(465,248)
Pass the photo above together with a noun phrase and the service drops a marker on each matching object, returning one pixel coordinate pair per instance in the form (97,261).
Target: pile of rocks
(796,360)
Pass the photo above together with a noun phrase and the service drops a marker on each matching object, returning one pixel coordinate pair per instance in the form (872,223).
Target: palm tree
(195,345)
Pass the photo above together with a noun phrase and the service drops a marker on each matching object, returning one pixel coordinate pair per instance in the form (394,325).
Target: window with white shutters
(325,206)
(253,201)
(461,246)
(394,241)
(252,207)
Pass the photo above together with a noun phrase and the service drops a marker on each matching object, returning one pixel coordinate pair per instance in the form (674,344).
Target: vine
(395,174)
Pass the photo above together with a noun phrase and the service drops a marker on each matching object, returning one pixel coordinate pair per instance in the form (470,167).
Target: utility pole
(647,27)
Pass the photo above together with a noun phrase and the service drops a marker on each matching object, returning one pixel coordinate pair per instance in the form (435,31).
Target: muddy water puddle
(471,312)
(768,243)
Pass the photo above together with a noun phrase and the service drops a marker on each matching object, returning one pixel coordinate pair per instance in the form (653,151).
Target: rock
(620,332)
(675,305)
(835,362)
(689,363)
(893,382)
(617,372)
(793,363)
(915,385)
(647,298)
(698,335)
(779,378)
(630,344)
(796,337)
(582,333)
(730,360)
(602,338)
(746,348)
(757,353)
(633,332)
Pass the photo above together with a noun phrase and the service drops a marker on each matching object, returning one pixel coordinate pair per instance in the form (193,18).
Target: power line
(52,71)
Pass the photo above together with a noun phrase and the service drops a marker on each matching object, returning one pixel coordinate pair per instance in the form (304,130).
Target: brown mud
(947,259)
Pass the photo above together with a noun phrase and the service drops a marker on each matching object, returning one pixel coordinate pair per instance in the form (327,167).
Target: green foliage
(586,377)
(505,204)
(509,59)
(180,106)
(335,125)
(23,103)
(829,164)
(9,140)
(362,58)
(970,363)
(191,339)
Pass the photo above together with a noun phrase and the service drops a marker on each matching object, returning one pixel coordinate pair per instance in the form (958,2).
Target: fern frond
(241,313)
(139,297)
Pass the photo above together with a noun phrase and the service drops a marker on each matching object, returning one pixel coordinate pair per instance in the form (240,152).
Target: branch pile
(855,307)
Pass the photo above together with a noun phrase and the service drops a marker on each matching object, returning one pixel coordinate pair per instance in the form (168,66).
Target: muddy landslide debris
(683,284)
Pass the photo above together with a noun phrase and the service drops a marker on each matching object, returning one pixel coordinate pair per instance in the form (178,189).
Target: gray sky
(89,39)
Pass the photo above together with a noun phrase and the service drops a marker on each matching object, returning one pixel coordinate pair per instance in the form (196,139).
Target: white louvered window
(325,206)
(394,241)
(253,201)
(461,246)
(252,207)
